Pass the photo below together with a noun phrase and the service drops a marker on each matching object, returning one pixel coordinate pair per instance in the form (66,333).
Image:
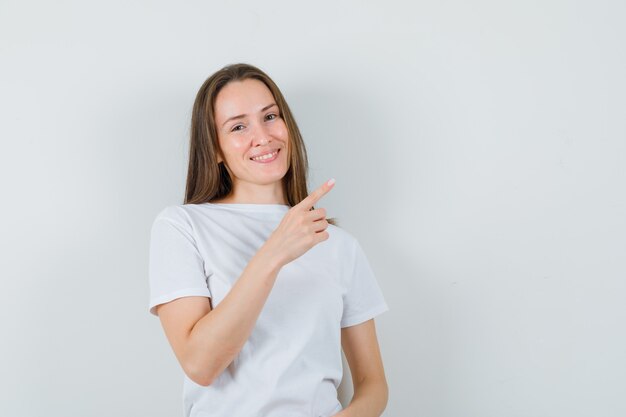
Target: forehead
(241,97)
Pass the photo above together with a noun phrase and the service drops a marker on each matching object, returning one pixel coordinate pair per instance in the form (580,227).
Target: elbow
(199,375)
(384,392)
(383,396)
(204,372)
(204,382)
(197,368)
(202,379)
(383,389)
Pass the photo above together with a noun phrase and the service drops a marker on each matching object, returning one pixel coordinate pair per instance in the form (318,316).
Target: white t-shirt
(290,366)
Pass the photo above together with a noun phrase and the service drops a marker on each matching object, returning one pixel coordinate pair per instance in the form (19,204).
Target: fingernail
(331,181)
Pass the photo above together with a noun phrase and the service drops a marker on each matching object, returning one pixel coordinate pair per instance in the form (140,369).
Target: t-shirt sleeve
(176,268)
(363,299)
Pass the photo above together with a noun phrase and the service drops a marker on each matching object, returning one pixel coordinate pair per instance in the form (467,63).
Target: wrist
(269,257)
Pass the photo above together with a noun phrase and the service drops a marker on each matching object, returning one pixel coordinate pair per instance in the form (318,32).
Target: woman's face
(249,124)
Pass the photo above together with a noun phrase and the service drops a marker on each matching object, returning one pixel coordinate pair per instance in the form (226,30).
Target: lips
(269,152)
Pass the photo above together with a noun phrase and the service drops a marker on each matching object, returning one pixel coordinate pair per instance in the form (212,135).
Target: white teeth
(267,156)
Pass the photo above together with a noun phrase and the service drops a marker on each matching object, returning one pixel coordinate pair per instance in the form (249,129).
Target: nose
(261,137)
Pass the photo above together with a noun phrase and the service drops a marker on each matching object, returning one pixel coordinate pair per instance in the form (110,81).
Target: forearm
(219,336)
(369,399)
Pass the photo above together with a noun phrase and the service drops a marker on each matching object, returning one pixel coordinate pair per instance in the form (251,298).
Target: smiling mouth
(268,157)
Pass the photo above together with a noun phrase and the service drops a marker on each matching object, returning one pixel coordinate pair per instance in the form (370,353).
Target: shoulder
(181,215)
(175,212)
(339,232)
(192,217)
(341,238)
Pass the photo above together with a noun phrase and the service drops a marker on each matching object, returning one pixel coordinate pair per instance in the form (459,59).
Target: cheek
(280,130)
(235,144)
(231,150)
(238,146)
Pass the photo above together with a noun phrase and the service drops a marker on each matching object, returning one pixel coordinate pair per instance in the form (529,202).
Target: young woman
(256,290)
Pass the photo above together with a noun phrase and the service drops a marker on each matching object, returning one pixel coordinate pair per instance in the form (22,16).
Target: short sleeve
(176,268)
(363,299)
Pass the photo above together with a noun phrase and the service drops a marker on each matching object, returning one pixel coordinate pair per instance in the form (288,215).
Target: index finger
(310,200)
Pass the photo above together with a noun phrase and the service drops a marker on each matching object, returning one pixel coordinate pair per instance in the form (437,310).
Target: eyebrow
(244,115)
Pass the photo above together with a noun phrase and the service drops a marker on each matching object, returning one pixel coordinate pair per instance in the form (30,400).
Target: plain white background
(479,150)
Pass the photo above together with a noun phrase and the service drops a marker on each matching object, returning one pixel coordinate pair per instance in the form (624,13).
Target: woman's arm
(360,346)
(205,340)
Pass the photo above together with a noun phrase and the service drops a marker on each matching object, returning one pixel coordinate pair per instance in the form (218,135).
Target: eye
(234,129)
(272,114)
